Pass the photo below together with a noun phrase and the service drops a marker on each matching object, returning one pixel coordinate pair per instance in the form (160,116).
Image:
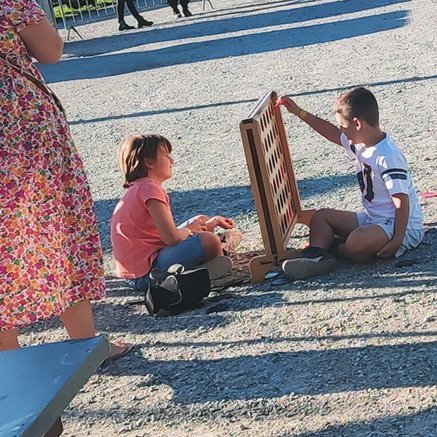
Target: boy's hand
(289,104)
(401,202)
(389,249)
(222,222)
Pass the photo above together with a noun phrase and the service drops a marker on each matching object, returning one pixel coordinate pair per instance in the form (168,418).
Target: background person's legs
(122,25)
(184,4)
(9,340)
(133,10)
(142,22)
(174,5)
(120,10)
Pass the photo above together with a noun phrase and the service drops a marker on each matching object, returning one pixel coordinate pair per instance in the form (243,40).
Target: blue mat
(37,383)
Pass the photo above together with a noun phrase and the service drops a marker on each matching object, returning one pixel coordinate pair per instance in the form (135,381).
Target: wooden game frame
(273,184)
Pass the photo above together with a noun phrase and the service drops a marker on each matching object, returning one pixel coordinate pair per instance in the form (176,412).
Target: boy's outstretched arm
(323,127)
(402,212)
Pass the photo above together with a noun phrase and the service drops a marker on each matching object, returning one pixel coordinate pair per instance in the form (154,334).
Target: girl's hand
(199,217)
(197,225)
(289,104)
(222,222)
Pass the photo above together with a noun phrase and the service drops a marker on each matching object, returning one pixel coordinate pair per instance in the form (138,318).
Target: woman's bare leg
(78,320)
(79,323)
(9,340)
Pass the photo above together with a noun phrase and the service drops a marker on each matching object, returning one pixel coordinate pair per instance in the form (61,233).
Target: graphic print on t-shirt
(365,180)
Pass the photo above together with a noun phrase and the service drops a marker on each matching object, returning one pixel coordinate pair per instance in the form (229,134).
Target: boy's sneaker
(177,13)
(218,267)
(312,261)
(230,240)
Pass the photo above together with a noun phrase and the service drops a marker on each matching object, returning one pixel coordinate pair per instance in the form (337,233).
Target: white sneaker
(230,240)
(218,266)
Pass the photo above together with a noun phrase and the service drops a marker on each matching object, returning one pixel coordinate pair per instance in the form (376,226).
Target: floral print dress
(50,253)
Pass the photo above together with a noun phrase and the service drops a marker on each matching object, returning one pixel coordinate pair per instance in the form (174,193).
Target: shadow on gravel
(137,38)
(256,7)
(421,423)
(295,339)
(113,318)
(152,113)
(230,201)
(310,372)
(267,41)
(114,43)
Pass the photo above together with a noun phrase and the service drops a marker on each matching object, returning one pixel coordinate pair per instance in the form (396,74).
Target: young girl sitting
(143,232)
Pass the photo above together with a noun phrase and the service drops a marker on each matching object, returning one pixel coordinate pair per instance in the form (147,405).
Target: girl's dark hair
(358,103)
(134,151)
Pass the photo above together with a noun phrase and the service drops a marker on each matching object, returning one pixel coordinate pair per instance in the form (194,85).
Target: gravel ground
(348,354)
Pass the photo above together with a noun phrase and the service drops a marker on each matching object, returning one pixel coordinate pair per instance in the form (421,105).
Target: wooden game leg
(304,217)
(259,266)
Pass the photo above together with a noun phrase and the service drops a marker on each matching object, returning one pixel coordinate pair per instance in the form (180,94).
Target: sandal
(125,349)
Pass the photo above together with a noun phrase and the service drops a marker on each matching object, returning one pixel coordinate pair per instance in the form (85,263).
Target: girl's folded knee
(211,244)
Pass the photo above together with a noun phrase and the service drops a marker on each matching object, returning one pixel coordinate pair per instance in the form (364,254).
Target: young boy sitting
(391,221)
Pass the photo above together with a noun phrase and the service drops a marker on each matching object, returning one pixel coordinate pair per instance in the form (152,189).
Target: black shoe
(177,13)
(187,13)
(144,23)
(312,261)
(124,26)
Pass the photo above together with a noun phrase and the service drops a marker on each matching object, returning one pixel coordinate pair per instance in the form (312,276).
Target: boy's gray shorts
(412,238)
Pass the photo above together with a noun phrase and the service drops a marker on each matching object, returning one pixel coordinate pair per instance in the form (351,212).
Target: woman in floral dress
(50,254)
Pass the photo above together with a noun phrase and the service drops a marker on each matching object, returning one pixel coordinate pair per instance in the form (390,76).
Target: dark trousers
(130,5)
(174,4)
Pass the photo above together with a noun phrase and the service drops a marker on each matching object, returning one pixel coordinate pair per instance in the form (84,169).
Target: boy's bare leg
(9,340)
(315,260)
(363,243)
(326,223)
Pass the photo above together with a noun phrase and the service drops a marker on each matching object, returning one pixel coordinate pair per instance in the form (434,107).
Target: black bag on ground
(179,291)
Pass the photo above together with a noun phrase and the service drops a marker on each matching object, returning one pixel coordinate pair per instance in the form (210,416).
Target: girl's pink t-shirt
(135,239)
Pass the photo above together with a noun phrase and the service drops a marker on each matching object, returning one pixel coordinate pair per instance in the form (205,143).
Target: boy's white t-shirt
(382,171)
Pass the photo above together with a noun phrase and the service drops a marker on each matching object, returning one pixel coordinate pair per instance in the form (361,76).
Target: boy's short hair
(358,103)
(134,151)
